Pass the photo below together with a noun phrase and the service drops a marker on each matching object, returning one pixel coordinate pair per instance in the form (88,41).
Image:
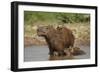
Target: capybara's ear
(59,28)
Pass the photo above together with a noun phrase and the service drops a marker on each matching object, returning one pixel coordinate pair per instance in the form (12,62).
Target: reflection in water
(41,53)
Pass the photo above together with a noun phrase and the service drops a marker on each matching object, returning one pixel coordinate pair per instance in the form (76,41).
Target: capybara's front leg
(51,52)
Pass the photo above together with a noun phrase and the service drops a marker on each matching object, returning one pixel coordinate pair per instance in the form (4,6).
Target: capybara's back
(67,36)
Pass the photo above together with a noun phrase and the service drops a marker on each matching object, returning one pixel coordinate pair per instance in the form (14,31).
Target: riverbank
(81,32)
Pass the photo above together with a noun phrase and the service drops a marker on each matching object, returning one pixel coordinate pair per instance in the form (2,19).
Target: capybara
(57,39)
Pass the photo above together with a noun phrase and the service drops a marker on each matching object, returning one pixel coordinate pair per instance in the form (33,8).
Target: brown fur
(57,39)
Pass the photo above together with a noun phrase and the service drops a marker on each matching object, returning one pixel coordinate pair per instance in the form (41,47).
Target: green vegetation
(31,18)
(77,22)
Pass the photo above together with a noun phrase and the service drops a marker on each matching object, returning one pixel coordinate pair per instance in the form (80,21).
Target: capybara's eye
(47,28)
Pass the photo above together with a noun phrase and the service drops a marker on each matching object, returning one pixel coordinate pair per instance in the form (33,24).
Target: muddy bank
(29,41)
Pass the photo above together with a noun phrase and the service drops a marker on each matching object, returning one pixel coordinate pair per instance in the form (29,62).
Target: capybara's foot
(55,53)
(67,52)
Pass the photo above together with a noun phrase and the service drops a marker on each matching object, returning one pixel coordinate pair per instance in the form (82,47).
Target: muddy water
(40,53)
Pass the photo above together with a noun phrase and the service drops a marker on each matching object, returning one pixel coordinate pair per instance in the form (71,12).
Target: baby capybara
(57,39)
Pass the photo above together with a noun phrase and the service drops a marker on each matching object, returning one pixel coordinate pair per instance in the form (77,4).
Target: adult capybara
(58,39)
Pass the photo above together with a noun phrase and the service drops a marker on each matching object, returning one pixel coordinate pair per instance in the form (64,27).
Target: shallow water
(40,53)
